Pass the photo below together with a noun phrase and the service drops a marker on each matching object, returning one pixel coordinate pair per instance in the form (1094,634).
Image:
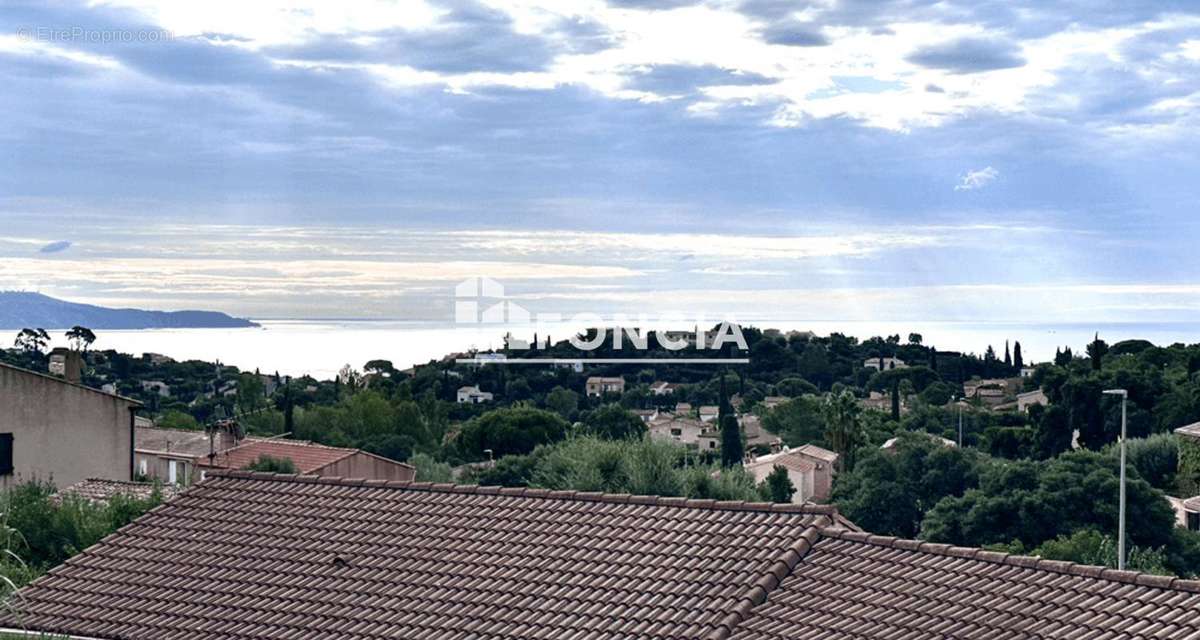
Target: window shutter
(6,453)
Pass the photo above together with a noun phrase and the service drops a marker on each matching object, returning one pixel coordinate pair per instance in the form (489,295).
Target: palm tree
(843,430)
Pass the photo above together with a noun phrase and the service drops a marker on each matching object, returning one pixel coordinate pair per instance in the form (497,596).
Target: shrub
(269,464)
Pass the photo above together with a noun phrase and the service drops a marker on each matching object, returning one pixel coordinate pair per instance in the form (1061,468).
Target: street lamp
(1121,517)
(960,407)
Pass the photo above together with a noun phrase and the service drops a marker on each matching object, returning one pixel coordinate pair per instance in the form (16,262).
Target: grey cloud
(653,5)
(56,247)
(969,55)
(676,79)
(796,34)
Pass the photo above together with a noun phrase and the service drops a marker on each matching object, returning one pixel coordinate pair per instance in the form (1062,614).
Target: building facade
(61,432)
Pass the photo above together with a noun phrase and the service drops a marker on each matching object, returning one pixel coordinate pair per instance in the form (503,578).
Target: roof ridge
(252,440)
(1016,560)
(779,570)
(807,508)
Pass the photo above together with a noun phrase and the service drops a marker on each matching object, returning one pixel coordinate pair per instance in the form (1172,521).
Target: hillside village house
(890,444)
(58,430)
(810,468)
(883,364)
(882,402)
(157,386)
(246,556)
(647,415)
(171,455)
(309,459)
(183,457)
(992,387)
(1190,431)
(756,435)
(598,386)
(472,395)
(1030,398)
(660,388)
(688,431)
(770,402)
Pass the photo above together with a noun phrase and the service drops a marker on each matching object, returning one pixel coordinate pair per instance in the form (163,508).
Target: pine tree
(1018,361)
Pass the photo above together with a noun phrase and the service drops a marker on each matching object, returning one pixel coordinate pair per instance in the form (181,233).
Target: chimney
(73,371)
(66,363)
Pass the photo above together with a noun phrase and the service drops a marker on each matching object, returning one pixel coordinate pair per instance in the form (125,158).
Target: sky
(958,161)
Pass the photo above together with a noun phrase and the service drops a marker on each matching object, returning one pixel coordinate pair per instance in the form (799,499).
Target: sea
(322,347)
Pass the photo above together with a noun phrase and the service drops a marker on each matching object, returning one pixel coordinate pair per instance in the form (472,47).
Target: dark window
(1193,518)
(6,453)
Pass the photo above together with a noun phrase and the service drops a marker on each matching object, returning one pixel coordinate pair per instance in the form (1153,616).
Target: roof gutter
(28,633)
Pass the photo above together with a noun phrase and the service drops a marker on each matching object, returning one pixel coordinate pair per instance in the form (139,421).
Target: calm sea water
(322,347)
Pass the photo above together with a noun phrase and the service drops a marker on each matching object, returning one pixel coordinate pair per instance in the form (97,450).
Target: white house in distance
(890,445)
(660,388)
(883,364)
(686,431)
(157,386)
(598,386)
(472,395)
(810,468)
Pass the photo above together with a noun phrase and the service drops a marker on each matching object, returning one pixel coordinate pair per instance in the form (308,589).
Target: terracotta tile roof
(820,453)
(183,442)
(791,460)
(245,556)
(99,490)
(307,456)
(257,556)
(858,586)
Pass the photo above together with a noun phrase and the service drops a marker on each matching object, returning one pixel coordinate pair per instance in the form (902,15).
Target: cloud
(676,79)
(795,34)
(969,55)
(977,179)
(56,247)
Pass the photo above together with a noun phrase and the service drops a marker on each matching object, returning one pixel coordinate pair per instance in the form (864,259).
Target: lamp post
(1121,517)
(960,406)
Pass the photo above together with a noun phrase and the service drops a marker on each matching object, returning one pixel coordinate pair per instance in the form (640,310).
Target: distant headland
(19,309)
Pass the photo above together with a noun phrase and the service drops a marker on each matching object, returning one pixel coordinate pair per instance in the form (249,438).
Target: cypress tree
(732,449)
(1008,361)
(1018,361)
(896,401)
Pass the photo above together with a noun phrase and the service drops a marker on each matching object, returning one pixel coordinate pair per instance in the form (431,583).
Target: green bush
(269,464)
(39,532)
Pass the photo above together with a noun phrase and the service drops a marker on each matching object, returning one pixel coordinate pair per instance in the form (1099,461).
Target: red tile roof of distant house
(306,456)
(101,490)
(821,453)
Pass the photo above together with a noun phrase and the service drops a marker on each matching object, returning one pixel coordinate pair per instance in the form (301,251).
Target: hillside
(20,309)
